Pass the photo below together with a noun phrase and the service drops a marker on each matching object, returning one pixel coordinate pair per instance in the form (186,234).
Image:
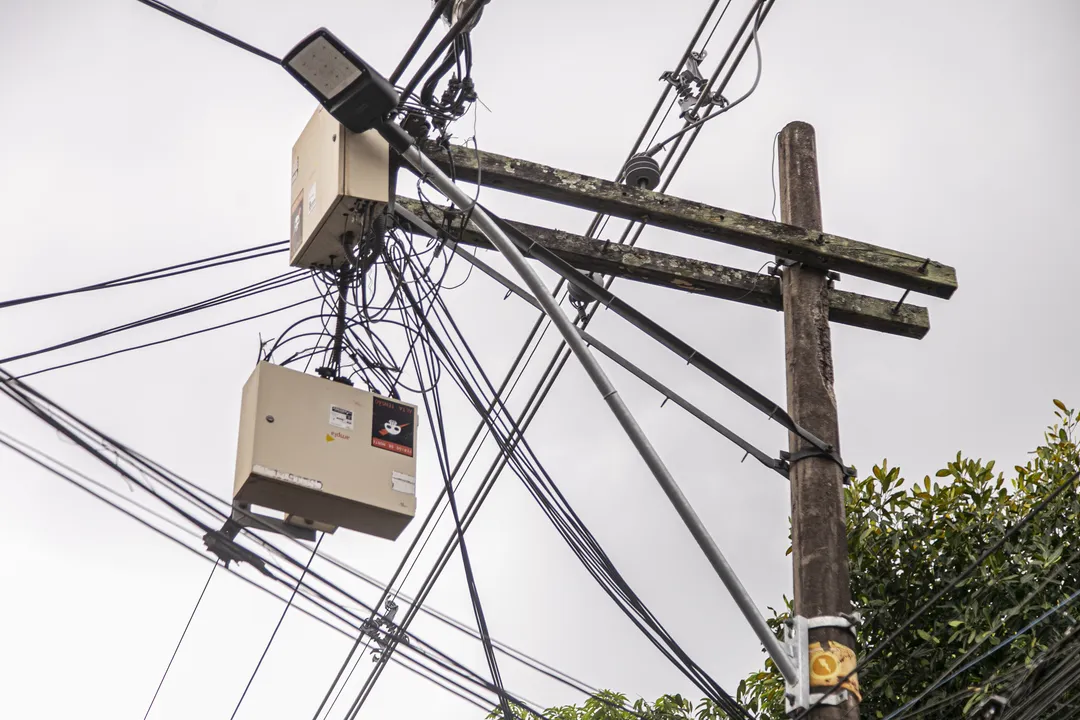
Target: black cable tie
(791,458)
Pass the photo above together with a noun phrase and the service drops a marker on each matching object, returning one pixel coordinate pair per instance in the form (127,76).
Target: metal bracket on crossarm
(797,697)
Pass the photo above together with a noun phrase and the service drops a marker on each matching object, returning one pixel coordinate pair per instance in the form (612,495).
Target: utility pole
(819,535)
(818,656)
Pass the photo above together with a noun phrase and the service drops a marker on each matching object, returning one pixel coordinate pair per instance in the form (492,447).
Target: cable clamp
(843,621)
(223,544)
(790,459)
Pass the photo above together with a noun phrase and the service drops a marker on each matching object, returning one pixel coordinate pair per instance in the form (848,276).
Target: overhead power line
(180,642)
(693,125)
(166,9)
(527,466)
(277,627)
(198,24)
(174,338)
(139,470)
(53,466)
(964,575)
(215,261)
(247,291)
(997,648)
(457,29)
(433,19)
(557,362)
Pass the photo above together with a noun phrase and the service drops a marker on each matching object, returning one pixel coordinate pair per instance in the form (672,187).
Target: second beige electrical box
(326,454)
(334,172)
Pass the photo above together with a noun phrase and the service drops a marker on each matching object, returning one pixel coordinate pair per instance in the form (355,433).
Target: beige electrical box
(334,172)
(326,454)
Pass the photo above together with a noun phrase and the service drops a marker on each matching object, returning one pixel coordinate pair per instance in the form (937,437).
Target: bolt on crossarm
(428,171)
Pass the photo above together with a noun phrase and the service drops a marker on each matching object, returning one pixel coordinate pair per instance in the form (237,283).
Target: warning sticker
(833,665)
(341,417)
(403,483)
(392,426)
(312,199)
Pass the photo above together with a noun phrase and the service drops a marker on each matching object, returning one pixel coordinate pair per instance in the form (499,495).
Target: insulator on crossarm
(642,171)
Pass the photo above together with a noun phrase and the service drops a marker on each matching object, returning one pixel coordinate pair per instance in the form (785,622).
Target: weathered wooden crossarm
(657,268)
(787,241)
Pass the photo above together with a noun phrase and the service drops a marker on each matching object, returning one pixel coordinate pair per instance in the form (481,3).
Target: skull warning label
(392,426)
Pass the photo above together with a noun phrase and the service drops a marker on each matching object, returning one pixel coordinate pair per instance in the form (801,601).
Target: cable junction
(427,169)
(116,456)
(355,341)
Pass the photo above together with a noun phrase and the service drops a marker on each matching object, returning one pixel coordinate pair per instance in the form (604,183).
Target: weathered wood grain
(818,249)
(697,276)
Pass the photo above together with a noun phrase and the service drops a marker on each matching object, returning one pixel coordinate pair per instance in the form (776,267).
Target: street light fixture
(351,90)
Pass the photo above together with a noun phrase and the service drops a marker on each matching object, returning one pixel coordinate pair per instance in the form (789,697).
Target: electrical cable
(452,34)
(964,575)
(457,665)
(448,663)
(510,456)
(276,628)
(245,292)
(439,432)
(561,355)
(961,665)
(198,24)
(757,79)
(386,591)
(952,672)
(605,297)
(664,95)
(441,681)
(417,43)
(769,462)
(166,340)
(142,521)
(1000,646)
(539,325)
(557,363)
(716,25)
(362,697)
(181,641)
(159,274)
(124,473)
(1046,682)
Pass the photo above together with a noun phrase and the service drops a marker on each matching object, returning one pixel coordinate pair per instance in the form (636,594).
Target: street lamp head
(350,90)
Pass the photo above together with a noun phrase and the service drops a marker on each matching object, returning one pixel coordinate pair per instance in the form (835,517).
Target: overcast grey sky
(131,141)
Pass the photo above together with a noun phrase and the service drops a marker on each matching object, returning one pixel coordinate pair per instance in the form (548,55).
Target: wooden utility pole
(819,535)
(804,293)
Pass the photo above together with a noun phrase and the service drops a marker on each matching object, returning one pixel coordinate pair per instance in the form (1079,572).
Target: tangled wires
(358,336)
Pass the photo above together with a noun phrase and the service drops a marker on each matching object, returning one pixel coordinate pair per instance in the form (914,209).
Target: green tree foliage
(909,539)
(609,705)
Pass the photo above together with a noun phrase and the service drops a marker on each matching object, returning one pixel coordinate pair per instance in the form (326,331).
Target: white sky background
(130,141)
